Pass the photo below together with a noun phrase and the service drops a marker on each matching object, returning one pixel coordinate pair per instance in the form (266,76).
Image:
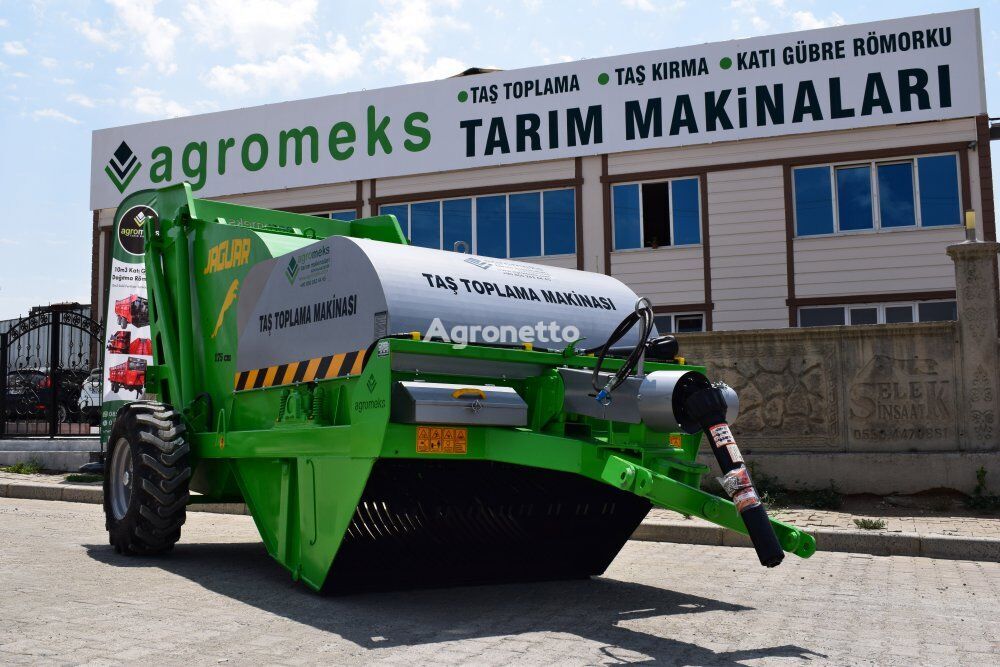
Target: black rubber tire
(161,473)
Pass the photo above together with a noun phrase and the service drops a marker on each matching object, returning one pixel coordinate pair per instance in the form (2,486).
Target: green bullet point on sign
(603,78)
(463,96)
(726,63)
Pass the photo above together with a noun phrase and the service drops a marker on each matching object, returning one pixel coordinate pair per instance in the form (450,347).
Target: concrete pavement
(952,537)
(218,598)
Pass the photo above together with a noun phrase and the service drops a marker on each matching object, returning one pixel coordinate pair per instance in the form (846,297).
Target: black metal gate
(50,379)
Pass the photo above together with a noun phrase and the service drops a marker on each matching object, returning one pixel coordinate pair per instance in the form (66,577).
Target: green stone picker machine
(296,368)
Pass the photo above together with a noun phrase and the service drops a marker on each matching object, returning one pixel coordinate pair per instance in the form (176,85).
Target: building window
(346,215)
(654,215)
(518,225)
(889,194)
(888,313)
(680,323)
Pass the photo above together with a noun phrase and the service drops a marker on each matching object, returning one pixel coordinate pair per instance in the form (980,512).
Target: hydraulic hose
(708,407)
(643,314)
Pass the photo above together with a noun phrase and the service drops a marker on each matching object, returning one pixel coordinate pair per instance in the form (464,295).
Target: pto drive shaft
(708,407)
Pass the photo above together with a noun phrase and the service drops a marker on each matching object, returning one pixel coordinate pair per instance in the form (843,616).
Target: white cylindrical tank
(340,294)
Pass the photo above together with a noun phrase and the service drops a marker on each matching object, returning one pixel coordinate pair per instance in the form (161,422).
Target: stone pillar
(978,309)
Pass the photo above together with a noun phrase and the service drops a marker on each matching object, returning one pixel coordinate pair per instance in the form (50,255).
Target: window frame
(670,214)
(880,311)
(330,213)
(873,165)
(474,249)
(673,319)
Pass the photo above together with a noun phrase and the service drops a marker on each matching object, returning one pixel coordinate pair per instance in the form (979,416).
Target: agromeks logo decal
(122,167)
(292,270)
(132,229)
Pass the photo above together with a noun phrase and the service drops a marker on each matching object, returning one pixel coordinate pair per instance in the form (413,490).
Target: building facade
(839,217)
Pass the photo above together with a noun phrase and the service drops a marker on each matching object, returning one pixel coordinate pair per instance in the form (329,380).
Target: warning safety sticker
(442,440)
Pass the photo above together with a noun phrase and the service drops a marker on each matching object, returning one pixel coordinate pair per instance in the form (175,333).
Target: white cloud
(14,49)
(156,34)
(254,28)
(3,23)
(401,33)
(545,55)
(96,33)
(441,68)
(85,101)
(532,5)
(6,241)
(803,20)
(287,71)
(650,6)
(49,63)
(641,5)
(63,82)
(152,103)
(53,114)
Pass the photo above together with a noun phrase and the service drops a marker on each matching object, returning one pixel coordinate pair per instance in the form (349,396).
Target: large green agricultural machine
(292,370)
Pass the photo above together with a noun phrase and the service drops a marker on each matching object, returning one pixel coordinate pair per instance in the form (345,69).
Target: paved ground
(945,523)
(953,521)
(68,598)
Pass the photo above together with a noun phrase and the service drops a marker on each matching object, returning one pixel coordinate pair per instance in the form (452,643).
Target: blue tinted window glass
(350,214)
(813,201)
(526,225)
(939,202)
(895,195)
(560,222)
(854,198)
(425,225)
(626,216)
(491,226)
(402,217)
(457,223)
(687,220)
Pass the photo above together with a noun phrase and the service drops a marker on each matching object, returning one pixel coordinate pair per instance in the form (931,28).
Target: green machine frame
(300,454)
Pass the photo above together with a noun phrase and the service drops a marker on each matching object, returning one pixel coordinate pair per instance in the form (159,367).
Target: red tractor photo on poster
(129,375)
(133,310)
(121,342)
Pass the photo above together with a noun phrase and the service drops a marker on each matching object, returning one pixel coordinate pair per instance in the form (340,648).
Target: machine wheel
(146,480)
(114,387)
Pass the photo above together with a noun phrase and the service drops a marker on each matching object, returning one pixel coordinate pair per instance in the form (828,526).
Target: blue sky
(67,67)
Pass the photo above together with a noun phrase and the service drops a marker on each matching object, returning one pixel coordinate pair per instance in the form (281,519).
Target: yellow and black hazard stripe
(321,368)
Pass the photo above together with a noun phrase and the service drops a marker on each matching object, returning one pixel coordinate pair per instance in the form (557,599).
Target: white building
(792,180)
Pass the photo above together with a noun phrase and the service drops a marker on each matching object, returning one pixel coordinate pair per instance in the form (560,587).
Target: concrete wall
(884,408)
(893,387)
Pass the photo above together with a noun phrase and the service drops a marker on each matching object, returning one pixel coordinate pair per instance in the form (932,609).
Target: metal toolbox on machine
(416,402)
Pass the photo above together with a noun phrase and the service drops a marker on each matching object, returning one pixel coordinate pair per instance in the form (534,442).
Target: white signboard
(888,72)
